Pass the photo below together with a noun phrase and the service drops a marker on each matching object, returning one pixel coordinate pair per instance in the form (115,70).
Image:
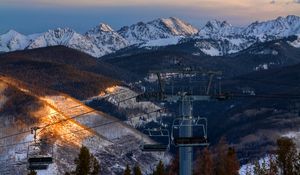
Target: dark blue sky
(31,20)
(32,16)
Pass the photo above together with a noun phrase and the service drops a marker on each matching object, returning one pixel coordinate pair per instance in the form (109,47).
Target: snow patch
(264,66)
(163,42)
(248,169)
(295,43)
(211,51)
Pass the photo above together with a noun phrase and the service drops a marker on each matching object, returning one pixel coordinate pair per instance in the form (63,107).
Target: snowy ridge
(218,37)
(106,39)
(274,29)
(157,29)
(234,39)
(96,42)
(264,31)
(66,37)
(216,30)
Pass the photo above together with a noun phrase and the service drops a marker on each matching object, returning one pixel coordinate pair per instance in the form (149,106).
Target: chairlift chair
(156,147)
(194,141)
(37,158)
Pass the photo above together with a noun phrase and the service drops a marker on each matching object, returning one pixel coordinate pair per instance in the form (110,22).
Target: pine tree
(204,163)
(286,155)
(232,163)
(220,157)
(127,170)
(174,166)
(267,167)
(297,164)
(273,168)
(226,161)
(137,170)
(260,169)
(95,166)
(86,163)
(83,162)
(32,172)
(248,170)
(160,169)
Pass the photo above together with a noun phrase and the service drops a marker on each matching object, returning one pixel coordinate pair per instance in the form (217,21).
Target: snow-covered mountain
(12,41)
(267,30)
(274,29)
(106,39)
(216,38)
(223,38)
(162,28)
(97,42)
(215,29)
(66,37)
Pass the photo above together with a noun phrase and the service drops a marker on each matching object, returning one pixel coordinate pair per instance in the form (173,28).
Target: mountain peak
(277,28)
(12,40)
(59,32)
(105,39)
(178,26)
(216,29)
(161,28)
(105,27)
(216,24)
(101,28)
(12,33)
(225,23)
(66,29)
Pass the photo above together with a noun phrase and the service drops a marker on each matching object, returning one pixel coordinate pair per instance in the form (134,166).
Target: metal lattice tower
(185,99)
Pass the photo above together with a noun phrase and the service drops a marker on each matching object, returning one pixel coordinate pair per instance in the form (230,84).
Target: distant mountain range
(216,38)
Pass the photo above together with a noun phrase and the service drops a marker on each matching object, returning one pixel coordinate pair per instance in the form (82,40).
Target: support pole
(186,153)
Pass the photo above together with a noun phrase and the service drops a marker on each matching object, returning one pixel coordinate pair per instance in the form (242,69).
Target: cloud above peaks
(284,1)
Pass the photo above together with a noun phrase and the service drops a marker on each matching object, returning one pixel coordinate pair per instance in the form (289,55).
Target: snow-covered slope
(138,113)
(112,142)
(296,43)
(223,45)
(157,29)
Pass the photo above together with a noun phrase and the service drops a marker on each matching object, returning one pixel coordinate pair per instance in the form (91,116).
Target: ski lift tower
(185,96)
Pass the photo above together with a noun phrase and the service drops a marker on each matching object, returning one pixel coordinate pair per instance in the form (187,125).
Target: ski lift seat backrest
(47,160)
(195,140)
(191,141)
(155,147)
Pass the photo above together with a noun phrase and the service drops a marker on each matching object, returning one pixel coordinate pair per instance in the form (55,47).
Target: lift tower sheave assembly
(186,123)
